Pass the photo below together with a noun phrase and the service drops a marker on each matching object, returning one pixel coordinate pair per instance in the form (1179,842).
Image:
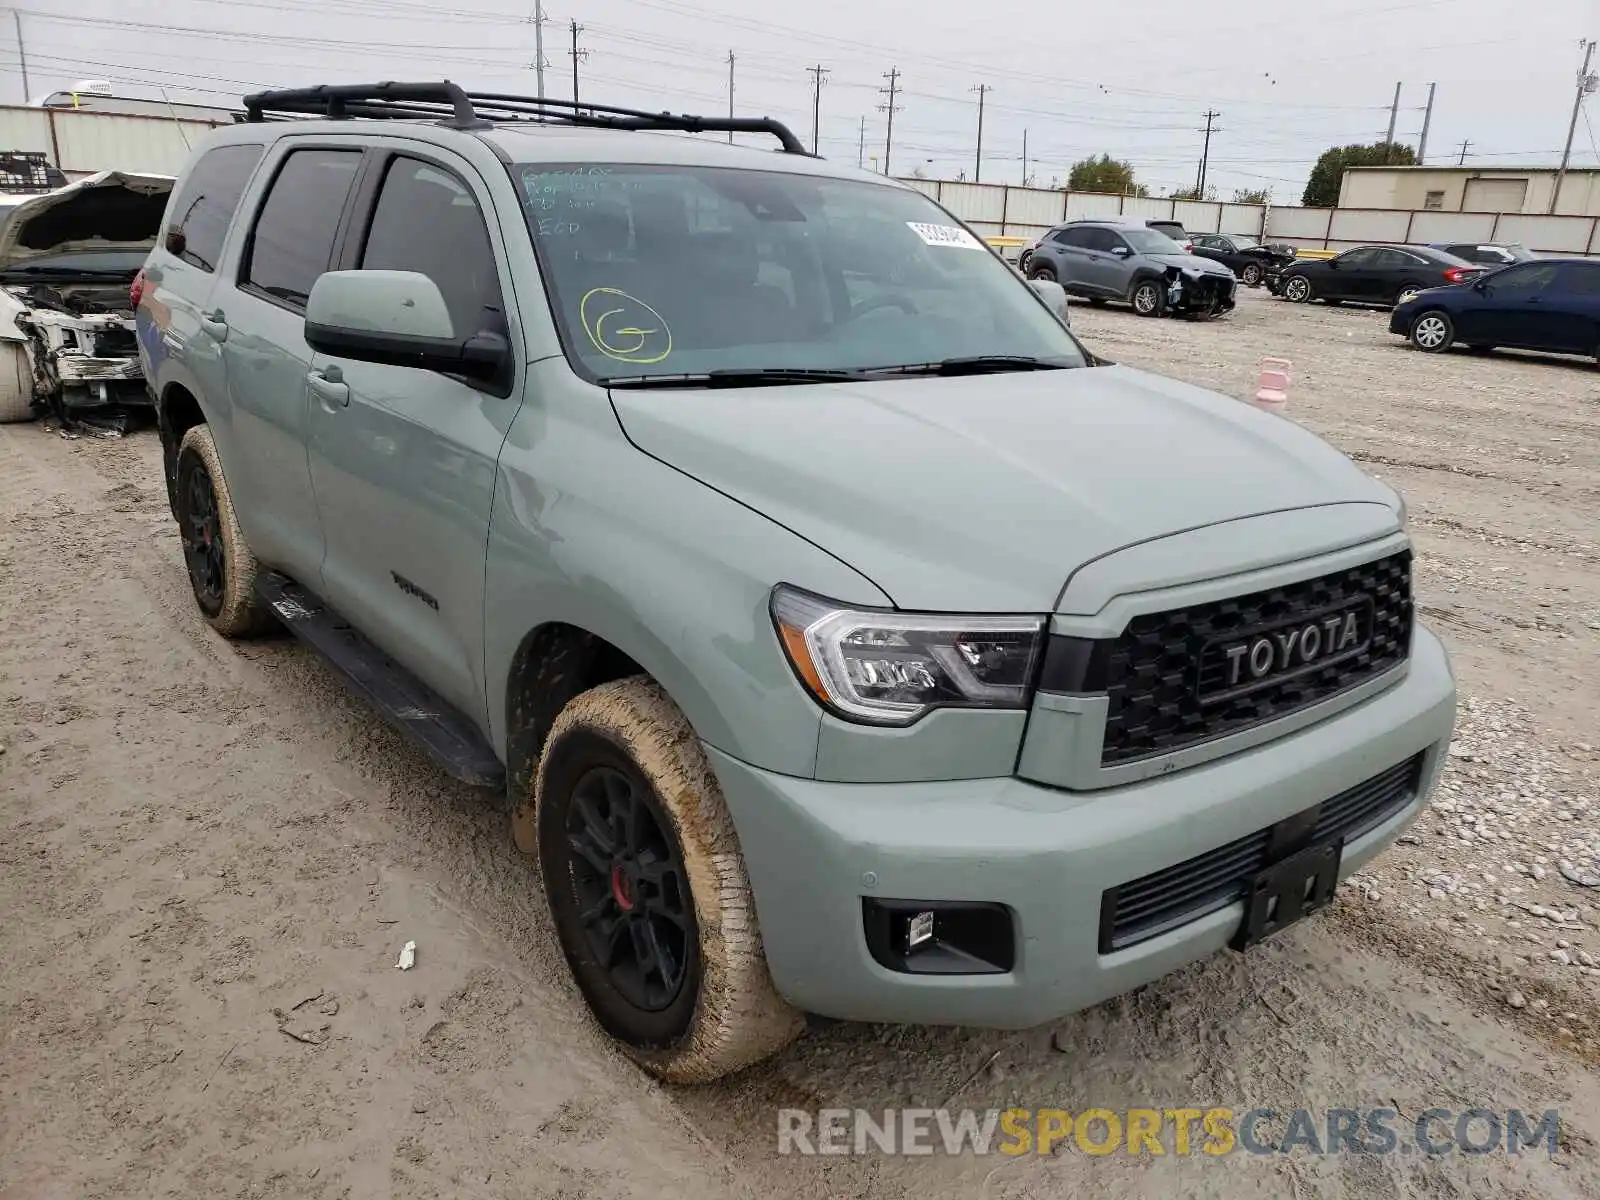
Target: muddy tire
(647,888)
(222,571)
(16,385)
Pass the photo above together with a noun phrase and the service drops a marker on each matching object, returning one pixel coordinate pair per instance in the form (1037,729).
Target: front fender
(590,531)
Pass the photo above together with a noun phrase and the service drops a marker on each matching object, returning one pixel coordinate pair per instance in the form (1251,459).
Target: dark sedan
(1372,275)
(1550,304)
(1247,257)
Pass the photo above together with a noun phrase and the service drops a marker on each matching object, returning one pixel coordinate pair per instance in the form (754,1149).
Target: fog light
(919,930)
(939,937)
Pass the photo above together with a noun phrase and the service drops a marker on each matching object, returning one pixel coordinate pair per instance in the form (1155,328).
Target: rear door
(403,460)
(259,323)
(1075,262)
(1390,270)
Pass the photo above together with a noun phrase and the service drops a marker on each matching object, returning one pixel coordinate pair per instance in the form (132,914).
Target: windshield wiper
(69,272)
(732,377)
(978,364)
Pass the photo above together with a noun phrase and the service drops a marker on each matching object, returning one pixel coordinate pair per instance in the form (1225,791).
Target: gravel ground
(210,857)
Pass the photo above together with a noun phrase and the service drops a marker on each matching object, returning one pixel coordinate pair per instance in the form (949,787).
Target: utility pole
(538,45)
(730,94)
(578,56)
(1388,138)
(1586,84)
(1205,155)
(1462,161)
(22,57)
(983,89)
(861,146)
(1024,157)
(1427,119)
(893,76)
(818,73)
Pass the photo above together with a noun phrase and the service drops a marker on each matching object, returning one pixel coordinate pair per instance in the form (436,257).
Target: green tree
(1252,196)
(1193,193)
(1104,174)
(1322,189)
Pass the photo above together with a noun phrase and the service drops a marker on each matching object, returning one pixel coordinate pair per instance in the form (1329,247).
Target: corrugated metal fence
(81,143)
(994,209)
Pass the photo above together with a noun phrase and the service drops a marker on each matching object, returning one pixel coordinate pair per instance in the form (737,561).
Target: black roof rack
(458,109)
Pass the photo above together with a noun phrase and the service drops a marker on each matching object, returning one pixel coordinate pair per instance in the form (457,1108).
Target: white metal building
(1471,189)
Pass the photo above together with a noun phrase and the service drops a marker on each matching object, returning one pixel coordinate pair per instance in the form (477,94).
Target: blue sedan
(1550,304)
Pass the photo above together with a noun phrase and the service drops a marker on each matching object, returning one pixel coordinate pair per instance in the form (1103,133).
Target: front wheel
(1148,299)
(1433,332)
(16,384)
(1297,289)
(1251,275)
(222,570)
(648,891)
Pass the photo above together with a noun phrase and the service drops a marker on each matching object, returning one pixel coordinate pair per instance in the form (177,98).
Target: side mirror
(1054,296)
(1480,285)
(397,318)
(1121,251)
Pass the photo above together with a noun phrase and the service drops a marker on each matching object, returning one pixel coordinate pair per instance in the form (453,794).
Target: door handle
(215,324)
(329,387)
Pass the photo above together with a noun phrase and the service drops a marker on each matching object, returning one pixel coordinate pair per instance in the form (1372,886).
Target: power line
(893,76)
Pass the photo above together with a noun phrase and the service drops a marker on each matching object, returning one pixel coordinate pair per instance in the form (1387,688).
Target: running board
(408,704)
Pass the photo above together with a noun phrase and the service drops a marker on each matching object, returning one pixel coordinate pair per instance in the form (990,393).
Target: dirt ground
(210,857)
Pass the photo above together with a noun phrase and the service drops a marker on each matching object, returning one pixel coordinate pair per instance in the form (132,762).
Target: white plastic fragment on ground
(408,956)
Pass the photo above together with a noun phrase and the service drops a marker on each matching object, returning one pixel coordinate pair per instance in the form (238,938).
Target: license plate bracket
(1287,891)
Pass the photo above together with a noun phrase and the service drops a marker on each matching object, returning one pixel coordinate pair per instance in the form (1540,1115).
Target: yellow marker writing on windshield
(631,340)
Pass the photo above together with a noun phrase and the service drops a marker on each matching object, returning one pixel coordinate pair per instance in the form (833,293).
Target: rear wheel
(1148,298)
(1433,332)
(1297,289)
(1251,275)
(222,570)
(648,890)
(1407,291)
(1042,270)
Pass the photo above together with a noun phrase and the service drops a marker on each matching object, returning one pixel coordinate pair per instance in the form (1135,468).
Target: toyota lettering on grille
(1271,654)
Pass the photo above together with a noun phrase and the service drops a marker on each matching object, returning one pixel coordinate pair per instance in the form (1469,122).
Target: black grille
(1154,679)
(1168,898)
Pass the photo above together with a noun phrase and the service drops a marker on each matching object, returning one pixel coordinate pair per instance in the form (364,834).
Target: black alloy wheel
(629,890)
(200,528)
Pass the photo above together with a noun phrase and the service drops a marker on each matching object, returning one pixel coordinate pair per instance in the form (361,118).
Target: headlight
(889,668)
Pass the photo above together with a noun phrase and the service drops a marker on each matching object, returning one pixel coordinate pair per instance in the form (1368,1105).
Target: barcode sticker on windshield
(945,235)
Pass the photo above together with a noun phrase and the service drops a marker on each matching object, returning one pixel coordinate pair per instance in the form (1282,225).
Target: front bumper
(814,850)
(1400,318)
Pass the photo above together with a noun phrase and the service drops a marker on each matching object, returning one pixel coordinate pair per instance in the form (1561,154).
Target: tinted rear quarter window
(293,238)
(206,202)
(1581,279)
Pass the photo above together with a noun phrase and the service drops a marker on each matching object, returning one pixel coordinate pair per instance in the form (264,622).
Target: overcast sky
(1128,77)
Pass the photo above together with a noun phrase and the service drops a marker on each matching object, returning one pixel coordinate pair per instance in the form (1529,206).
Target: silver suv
(840,639)
(1122,258)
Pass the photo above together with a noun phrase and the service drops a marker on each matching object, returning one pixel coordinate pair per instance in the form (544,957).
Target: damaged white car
(68,344)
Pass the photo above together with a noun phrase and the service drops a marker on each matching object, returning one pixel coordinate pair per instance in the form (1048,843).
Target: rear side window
(206,203)
(426,220)
(1582,279)
(1070,237)
(293,238)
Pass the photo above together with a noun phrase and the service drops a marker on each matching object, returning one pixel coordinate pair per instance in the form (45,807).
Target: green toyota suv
(845,638)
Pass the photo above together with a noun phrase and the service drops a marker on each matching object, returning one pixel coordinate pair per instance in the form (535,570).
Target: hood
(982,494)
(114,210)
(1192,263)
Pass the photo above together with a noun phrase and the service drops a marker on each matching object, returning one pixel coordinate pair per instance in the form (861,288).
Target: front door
(403,460)
(1349,276)
(1514,311)
(259,323)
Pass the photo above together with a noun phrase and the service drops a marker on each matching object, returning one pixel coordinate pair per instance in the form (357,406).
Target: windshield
(1242,242)
(1148,241)
(692,270)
